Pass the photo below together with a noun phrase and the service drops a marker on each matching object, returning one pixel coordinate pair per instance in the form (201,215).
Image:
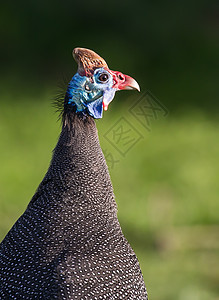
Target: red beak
(124,82)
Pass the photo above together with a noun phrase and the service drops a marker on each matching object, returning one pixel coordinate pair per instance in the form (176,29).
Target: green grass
(166,189)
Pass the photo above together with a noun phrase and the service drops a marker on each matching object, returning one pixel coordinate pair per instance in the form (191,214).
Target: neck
(78,176)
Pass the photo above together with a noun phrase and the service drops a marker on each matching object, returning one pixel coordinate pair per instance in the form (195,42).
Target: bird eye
(103,77)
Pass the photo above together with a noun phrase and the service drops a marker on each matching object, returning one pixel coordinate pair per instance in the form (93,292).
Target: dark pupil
(103,77)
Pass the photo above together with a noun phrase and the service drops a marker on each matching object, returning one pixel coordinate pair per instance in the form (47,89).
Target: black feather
(58,101)
(68,244)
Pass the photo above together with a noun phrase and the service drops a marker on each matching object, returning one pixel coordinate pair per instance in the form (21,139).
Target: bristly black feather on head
(58,101)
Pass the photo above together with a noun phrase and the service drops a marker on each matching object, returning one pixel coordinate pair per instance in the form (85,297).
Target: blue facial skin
(88,95)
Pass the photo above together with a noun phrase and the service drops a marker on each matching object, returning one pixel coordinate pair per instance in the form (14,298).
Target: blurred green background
(167,185)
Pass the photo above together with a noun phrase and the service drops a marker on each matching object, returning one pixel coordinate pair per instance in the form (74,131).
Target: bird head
(94,85)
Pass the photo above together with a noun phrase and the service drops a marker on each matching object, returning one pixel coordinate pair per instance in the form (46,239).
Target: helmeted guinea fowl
(68,244)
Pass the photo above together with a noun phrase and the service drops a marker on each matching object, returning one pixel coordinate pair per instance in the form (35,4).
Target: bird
(68,243)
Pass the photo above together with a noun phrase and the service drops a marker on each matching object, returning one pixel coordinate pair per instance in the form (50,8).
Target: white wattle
(105,106)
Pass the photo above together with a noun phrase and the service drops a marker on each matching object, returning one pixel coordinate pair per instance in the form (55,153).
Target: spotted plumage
(68,244)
